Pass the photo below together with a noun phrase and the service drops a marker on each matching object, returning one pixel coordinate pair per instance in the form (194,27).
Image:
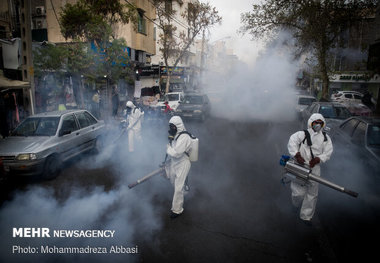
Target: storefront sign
(174,71)
(355,78)
(148,71)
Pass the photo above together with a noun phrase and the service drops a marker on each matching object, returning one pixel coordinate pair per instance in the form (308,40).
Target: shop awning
(6,83)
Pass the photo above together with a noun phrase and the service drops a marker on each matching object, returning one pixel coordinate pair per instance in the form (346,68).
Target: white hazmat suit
(134,125)
(180,163)
(308,193)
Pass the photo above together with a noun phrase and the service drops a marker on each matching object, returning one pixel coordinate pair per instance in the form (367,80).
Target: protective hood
(177,121)
(314,117)
(130,104)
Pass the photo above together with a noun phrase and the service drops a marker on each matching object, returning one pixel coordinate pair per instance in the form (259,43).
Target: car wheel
(99,145)
(52,167)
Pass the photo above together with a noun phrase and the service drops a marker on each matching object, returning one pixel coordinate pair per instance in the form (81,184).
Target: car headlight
(197,111)
(26,157)
(178,110)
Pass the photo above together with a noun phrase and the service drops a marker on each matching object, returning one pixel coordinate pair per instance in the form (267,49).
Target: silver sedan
(40,144)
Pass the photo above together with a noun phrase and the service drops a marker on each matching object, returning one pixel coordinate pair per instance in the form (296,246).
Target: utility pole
(26,50)
(202,57)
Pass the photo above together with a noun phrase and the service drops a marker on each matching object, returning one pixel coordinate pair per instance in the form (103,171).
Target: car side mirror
(64,132)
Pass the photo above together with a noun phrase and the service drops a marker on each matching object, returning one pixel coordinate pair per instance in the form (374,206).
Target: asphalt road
(237,209)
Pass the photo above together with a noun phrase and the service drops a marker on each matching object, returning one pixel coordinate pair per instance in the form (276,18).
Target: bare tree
(175,42)
(317,25)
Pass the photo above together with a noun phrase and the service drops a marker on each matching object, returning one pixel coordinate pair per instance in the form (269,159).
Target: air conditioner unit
(39,23)
(40,10)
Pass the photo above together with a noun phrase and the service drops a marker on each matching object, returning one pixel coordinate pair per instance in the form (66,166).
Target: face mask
(172,129)
(317,127)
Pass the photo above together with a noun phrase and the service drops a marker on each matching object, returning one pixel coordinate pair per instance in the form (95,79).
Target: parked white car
(347,96)
(173,99)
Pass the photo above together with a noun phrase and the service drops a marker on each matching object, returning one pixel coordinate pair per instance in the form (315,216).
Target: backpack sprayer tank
(193,154)
(298,172)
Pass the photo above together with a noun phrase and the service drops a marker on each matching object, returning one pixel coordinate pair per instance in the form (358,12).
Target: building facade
(139,40)
(183,77)
(356,67)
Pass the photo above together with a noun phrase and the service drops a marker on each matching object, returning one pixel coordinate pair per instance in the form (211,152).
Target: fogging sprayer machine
(301,173)
(159,171)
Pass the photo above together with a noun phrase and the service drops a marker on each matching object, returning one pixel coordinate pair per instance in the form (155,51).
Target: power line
(173,18)
(56,17)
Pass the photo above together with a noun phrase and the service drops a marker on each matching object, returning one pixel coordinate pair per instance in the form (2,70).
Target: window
(141,26)
(83,122)
(37,127)
(69,123)
(329,111)
(193,99)
(173,97)
(168,6)
(374,135)
(341,113)
(306,101)
(47,127)
(90,119)
(348,96)
(357,97)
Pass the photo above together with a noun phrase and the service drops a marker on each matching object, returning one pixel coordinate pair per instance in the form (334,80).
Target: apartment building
(141,44)
(183,74)
(355,66)
(44,26)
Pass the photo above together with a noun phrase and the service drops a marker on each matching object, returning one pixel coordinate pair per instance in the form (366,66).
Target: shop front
(362,82)
(14,104)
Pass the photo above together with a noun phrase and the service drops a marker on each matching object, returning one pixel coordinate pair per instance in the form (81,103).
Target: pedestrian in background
(134,125)
(115,101)
(95,104)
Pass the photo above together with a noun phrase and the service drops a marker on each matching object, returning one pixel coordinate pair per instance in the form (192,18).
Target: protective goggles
(318,122)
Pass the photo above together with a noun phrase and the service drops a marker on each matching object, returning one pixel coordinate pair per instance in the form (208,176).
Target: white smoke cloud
(85,206)
(265,91)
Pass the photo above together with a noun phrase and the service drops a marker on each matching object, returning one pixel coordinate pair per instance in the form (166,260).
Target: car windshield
(44,126)
(334,112)
(172,97)
(193,99)
(305,101)
(373,135)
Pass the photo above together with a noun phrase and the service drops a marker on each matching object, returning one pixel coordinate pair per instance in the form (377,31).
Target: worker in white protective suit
(180,164)
(320,151)
(134,125)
